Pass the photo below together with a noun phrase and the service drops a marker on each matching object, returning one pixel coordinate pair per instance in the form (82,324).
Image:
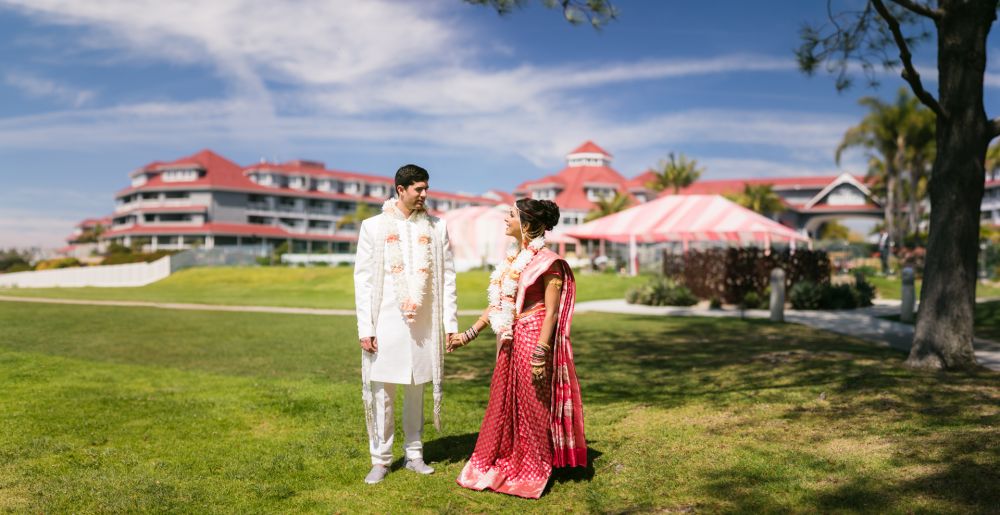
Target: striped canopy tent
(685,219)
(478,236)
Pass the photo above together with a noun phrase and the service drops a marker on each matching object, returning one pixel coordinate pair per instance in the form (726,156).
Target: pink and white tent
(478,235)
(685,219)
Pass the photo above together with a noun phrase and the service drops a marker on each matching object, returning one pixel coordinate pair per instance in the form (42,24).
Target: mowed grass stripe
(129,409)
(317,287)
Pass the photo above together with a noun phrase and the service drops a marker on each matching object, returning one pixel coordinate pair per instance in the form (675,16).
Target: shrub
(18,267)
(117,248)
(122,259)
(661,291)
(51,264)
(730,274)
(809,295)
(806,295)
(865,271)
(864,291)
(752,301)
(715,303)
(838,296)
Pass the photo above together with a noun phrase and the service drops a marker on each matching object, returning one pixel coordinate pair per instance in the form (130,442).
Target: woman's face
(513,223)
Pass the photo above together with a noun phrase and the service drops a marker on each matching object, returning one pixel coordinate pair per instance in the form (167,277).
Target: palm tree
(881,134)
(608,206)
(675,173)
(920,149)
(759,198)
(362,212)
(993,161)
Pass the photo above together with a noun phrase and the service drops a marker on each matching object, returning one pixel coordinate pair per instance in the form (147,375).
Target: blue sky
(91,90)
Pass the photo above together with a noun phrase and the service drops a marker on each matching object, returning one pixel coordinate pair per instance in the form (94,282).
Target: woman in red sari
(534,419)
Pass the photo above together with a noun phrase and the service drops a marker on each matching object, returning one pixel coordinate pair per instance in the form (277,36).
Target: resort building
(587,178)
(206,200)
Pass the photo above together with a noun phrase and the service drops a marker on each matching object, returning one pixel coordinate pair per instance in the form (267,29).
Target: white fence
(131,274)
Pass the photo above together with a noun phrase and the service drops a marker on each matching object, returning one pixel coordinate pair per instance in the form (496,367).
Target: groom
(406,301)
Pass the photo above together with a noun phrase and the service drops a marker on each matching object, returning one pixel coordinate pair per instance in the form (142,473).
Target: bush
(52,264)
(117,248)
(752,301)
(12,258)
(864,291)
(121,259)
(865,271)
(729,274)
(661,291)
(18,267)
(715,303)
(806,295)
(838,296)
(809,295)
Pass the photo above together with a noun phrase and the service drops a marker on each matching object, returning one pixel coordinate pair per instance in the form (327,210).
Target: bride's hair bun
(543,213)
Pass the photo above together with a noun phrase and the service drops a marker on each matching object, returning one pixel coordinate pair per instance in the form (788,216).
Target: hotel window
(150,196)
(179,175)
(174,195)
(259,220)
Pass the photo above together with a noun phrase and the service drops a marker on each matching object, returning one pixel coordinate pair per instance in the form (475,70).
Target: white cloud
(23,228)
(36,86)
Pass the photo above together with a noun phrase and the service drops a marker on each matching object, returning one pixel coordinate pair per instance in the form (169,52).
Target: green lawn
(987,320)
(136,409)
(891,288)
(318,287)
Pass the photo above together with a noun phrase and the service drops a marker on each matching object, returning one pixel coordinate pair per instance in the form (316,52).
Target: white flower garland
(410,287)
(503,287)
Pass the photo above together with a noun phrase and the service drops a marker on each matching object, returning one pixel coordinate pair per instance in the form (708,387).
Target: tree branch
(920,8)
(909,74)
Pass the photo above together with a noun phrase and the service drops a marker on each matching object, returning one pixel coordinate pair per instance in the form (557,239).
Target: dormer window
(179,175)
(546,194)
(595,194)
(298,182)
(139,180)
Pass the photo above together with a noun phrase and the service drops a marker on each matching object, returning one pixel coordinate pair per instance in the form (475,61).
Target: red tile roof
(641,181)
(572,181)
(729,186)
(589,147)
(223,174)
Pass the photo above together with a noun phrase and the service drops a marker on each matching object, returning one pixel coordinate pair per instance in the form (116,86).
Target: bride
(534,419)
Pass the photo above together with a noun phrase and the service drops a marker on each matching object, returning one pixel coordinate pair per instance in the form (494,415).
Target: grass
(891,288)
(137,409)
(330,288)
(987,320)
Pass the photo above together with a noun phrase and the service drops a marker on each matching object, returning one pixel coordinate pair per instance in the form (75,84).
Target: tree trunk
(944,330)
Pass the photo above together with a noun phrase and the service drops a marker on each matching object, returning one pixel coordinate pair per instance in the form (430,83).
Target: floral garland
(409,287)
(503,287)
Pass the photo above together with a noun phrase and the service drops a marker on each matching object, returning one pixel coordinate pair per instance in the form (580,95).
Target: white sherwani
(406,351)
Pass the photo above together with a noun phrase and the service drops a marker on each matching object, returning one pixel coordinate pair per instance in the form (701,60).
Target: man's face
(413,196)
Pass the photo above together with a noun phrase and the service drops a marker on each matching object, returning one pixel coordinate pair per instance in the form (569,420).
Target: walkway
(860,323)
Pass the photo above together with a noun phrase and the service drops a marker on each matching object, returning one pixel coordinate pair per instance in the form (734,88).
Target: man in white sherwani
(406,300)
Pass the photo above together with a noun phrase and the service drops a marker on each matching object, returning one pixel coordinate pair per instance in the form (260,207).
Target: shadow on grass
(458,449)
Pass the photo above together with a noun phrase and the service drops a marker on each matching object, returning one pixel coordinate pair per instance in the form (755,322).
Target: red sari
(530,427)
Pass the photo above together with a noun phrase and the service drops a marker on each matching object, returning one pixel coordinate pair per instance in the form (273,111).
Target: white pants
(385,423)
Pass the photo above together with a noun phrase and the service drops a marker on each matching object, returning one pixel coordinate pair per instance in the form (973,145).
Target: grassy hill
(317,287)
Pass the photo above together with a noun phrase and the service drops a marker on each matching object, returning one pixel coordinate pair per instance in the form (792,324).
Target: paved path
(861,323)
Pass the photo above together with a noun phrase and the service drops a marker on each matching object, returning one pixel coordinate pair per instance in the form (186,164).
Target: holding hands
(369,344)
